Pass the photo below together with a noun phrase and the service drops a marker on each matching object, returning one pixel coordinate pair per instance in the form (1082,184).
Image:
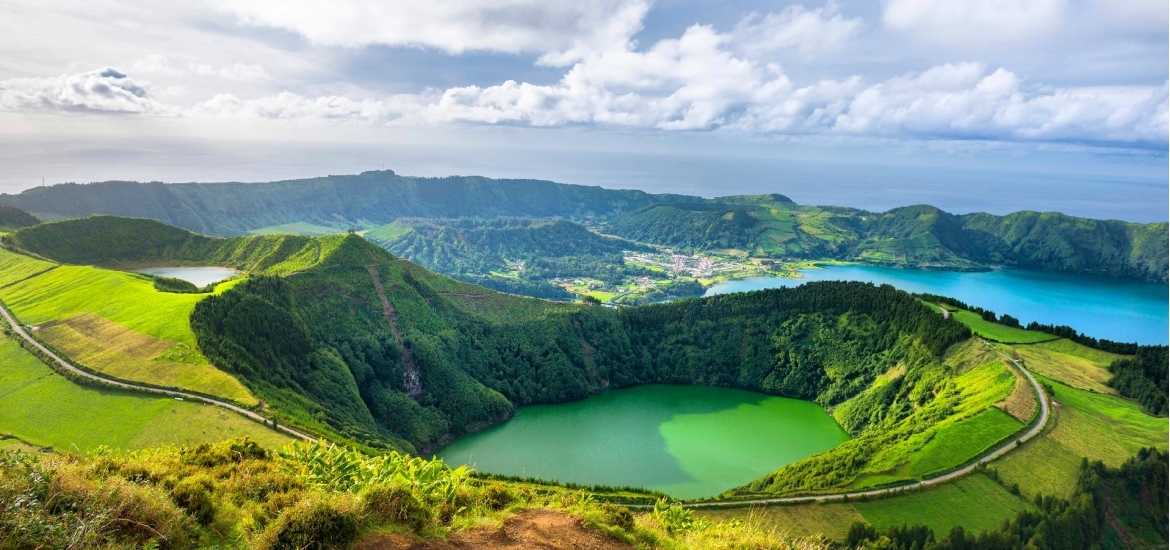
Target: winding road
(1035,430)
(19,330)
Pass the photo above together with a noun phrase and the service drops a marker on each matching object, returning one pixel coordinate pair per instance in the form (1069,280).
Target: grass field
(108,320)
(975,502)
(1085,424)
(129,355)
(41,407)
(830,519)
(962,441)
(1070,363)
(998,332)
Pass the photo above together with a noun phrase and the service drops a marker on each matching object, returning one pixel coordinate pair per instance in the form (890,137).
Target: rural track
(19,330)
(1041,422)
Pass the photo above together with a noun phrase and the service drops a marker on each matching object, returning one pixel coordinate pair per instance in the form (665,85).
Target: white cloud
(953,101)
(160,65)
(963,100)
(807,31)
(975,24)
(555,27)
(106,90)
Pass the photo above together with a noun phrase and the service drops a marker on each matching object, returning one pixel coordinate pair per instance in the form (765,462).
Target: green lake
(687,441)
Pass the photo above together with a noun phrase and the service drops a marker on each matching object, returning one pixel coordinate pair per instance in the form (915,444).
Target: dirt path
(1035,430)
(410,378)
(528,530)
(19,330)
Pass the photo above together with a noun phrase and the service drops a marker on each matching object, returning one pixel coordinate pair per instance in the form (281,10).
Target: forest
(480,251)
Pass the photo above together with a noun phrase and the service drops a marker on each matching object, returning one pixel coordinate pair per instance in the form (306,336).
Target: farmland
(45,409)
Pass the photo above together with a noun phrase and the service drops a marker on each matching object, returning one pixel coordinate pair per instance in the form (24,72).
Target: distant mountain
(761,225)
(914,236)
(535,250)
(366,200)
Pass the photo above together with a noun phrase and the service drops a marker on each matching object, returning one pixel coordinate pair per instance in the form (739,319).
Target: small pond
(198,276)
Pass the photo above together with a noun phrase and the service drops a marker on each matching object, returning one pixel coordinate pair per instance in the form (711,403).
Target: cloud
(964,100)
(160,65)
(807,31)
(952,101)
(974,24)
(106,91)
(560,28)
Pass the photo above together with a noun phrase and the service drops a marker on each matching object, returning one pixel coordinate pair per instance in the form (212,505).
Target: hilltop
(767,226)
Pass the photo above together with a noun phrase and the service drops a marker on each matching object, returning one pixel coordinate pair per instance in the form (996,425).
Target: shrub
(618,516)
(395,504)
(314,524)
(226,452)
(193,494)
(120,510)
(673,517)
(497,496)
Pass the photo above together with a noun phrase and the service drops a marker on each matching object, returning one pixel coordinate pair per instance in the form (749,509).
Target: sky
(995,105)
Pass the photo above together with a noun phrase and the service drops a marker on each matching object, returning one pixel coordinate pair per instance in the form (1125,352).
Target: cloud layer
(701,78)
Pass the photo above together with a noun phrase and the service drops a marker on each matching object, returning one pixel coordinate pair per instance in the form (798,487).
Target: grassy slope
(125,299)
(1094,426)
(1069,362)
(962,441)
(998,332)
(974,502)
(830,519)
(43,408)
(974,393)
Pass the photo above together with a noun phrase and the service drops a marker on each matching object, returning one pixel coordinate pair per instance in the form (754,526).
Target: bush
(497,496)
(194,495)
(395,504)
(120,510)
(226,452)
(314,524)
(618,516)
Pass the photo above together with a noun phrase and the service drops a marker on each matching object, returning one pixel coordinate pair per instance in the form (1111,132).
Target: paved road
(944,478)
(131,386)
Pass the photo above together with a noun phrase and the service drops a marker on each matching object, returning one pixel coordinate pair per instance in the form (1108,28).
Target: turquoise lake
(1121,310)
(686,441)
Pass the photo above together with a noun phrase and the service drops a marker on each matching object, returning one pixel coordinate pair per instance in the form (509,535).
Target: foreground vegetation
(236,494)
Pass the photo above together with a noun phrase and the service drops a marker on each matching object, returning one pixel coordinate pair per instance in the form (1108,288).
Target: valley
(337,338)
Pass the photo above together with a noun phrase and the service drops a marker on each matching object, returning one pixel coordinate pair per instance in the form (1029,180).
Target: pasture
(116,323)
(998,332)
(975,502)
(43,408)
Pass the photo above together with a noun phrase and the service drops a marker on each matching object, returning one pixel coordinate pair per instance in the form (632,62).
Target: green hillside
(913,236)
(368,199)
(516,255)
(15,218)
(761,225)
